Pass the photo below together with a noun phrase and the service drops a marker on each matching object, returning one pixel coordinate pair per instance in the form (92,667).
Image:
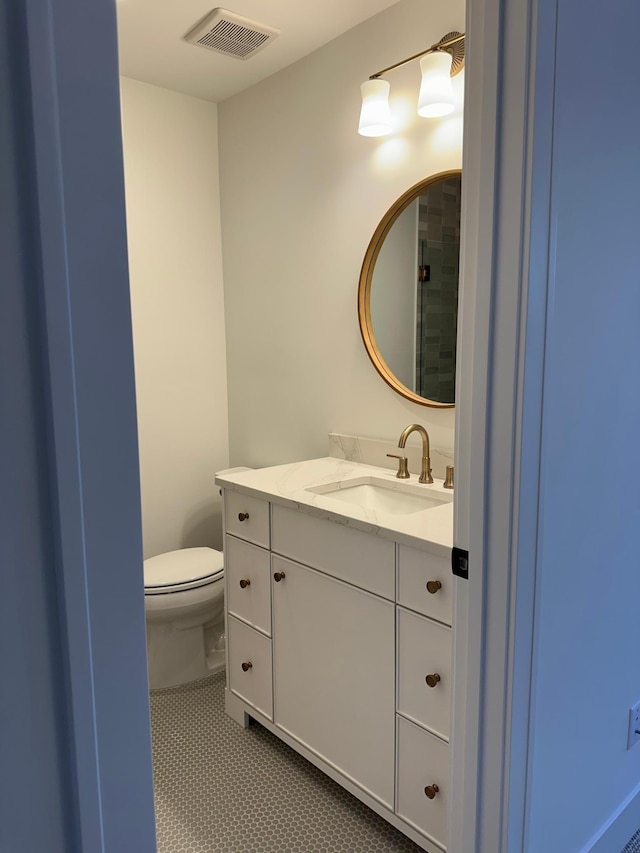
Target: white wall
(173,225)
(301,195)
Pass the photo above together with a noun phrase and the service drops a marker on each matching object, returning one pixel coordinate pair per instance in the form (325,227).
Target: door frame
(505,249)
(92,453)
(498,424)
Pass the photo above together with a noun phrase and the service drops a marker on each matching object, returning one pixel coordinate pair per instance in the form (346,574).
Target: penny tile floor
(223,789)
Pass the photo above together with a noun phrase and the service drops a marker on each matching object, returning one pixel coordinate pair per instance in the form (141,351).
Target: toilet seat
(186,568)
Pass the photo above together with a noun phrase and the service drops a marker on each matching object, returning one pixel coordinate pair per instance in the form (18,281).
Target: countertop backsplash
(373,451)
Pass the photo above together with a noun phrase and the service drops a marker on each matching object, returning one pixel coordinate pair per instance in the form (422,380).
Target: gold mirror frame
(364,289)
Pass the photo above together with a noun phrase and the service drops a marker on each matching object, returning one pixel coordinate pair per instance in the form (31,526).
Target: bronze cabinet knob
(279,576)
(433,586)
(244,583)
(246,666)
(243,516)
(432,680)
(431,791)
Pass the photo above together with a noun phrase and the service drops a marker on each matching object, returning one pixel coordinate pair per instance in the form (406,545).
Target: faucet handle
(403,471)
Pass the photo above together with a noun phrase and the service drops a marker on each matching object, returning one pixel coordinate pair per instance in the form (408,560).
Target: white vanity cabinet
(339,641)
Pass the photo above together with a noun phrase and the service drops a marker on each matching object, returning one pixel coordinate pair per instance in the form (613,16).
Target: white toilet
(183,601)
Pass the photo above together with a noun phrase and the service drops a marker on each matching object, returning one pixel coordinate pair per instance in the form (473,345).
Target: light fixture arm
(452,43)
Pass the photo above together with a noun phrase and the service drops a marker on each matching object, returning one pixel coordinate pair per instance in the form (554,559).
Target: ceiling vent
(231,34)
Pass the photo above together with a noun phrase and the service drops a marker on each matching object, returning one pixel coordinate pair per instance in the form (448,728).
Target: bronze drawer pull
(434,586)
(432,680)
(279,576)
(244,583)
(246,666)
(431,791)
(243,516)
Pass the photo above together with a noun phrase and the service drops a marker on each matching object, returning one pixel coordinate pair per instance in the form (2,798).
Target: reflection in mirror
(408,298)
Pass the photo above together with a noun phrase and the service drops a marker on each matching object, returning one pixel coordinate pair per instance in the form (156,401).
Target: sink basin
(381,495)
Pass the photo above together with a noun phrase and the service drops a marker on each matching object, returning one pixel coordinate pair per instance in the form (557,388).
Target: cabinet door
(333,653)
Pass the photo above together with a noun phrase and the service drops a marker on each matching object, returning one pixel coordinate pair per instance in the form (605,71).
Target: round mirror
(408,293)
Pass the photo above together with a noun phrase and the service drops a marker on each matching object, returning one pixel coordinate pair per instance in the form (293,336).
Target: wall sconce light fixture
(438,64)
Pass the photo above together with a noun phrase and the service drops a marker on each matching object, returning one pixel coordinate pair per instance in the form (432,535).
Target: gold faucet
(425,473)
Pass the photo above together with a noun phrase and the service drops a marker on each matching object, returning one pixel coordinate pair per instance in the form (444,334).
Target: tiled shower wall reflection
(439,250)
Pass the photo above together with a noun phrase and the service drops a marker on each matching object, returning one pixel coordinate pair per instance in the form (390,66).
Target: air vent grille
(231,34)
(231,38)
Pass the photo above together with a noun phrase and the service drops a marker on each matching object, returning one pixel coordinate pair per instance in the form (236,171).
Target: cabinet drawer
(424,650)
(416,569)
(365,560)
(247,517)
(253,683)
(248,584)
(423,761)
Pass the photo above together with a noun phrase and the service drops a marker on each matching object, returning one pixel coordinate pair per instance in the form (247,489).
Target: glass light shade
(436,91)
(375,115)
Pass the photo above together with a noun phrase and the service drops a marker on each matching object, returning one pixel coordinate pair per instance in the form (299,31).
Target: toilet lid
(186,568)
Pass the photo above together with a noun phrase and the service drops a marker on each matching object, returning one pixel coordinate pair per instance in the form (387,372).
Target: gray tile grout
(222,789)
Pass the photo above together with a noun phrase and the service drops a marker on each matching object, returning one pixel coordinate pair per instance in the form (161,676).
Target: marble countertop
(288,485)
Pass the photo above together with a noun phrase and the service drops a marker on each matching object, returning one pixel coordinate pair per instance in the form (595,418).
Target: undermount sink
(381,495)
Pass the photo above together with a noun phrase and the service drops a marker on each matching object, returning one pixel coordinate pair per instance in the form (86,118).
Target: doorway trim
(499,422)
(87,355)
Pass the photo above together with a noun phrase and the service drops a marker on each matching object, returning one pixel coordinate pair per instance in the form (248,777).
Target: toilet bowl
(183,602)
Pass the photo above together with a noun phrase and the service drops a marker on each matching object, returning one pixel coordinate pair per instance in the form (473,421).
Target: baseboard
(620,828)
